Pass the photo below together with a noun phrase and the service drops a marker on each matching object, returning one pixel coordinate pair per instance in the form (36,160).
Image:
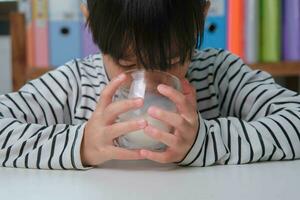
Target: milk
(138,139)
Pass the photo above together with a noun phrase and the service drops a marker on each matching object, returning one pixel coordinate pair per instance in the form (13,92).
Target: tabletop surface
(146,180)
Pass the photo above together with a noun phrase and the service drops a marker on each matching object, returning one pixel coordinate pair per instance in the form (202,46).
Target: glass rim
(151,71)
(173,77)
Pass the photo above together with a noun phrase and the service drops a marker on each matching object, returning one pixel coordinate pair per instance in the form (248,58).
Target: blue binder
(64,42)
(64,31)
(215,33)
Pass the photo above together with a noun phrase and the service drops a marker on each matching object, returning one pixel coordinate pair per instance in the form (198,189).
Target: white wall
(5,65)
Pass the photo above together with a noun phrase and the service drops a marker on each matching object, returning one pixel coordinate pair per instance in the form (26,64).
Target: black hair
(153,30)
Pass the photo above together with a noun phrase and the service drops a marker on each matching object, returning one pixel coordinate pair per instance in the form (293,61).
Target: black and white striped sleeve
(36,129)
(260,120)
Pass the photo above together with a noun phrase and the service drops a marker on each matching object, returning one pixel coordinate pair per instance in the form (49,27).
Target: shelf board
(279,68)
(276,69)
(34,72)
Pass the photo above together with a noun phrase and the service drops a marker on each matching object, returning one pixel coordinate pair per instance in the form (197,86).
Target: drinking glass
(143,84)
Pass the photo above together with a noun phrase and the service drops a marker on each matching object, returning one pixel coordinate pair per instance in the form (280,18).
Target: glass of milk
(143,84)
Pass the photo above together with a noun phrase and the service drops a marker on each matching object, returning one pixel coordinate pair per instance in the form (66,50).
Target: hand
(101,129)
(185,123)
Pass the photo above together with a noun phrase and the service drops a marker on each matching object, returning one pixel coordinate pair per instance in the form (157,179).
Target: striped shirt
(244,115)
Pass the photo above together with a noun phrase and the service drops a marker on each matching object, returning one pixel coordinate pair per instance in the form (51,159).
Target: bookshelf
(279,69)
(22,73)
(288,70)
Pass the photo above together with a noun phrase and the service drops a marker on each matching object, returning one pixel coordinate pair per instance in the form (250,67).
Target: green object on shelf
(270,50)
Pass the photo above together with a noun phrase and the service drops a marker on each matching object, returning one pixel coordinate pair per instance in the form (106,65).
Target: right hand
(101,130)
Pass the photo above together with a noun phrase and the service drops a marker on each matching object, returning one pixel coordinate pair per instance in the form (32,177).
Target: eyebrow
(175,63)
(132,65)
(128,59)
(127,65)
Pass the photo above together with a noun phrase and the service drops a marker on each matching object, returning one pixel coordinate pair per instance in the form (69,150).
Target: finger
(110,90)
(122,128)
(189,91)
(164,137)
(170,118)
(119,107)
(177,97)
(160,157)
(124,154)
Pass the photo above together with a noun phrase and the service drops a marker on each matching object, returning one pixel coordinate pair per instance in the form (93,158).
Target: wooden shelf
(35,72)
(276,69)
(279,68)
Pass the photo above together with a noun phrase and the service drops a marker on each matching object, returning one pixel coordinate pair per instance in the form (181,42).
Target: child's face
(114,69)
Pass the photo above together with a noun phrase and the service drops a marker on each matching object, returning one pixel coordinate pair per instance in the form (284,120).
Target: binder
(25,6)
(64,30)
(88,45)
(251,31)
(236,27)
(40,32)
(270,31)
(291,30)
(215,25)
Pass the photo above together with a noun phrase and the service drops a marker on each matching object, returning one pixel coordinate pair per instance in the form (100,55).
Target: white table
(147,180)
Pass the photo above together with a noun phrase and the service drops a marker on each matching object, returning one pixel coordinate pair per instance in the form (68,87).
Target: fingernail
(121,77)
(152,111)
(161,88)
(186,82)
(144,153)
(138,102)
(142,123)
(147,130)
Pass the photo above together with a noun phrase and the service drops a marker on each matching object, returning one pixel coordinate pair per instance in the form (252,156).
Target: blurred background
(39,35)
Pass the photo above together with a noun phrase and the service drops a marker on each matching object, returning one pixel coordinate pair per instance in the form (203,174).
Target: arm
(36,129)
(260,119)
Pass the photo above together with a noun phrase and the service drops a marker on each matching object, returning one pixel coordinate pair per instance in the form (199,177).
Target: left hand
(185,123)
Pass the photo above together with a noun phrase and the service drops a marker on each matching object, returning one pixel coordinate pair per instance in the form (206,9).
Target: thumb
(189,91)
